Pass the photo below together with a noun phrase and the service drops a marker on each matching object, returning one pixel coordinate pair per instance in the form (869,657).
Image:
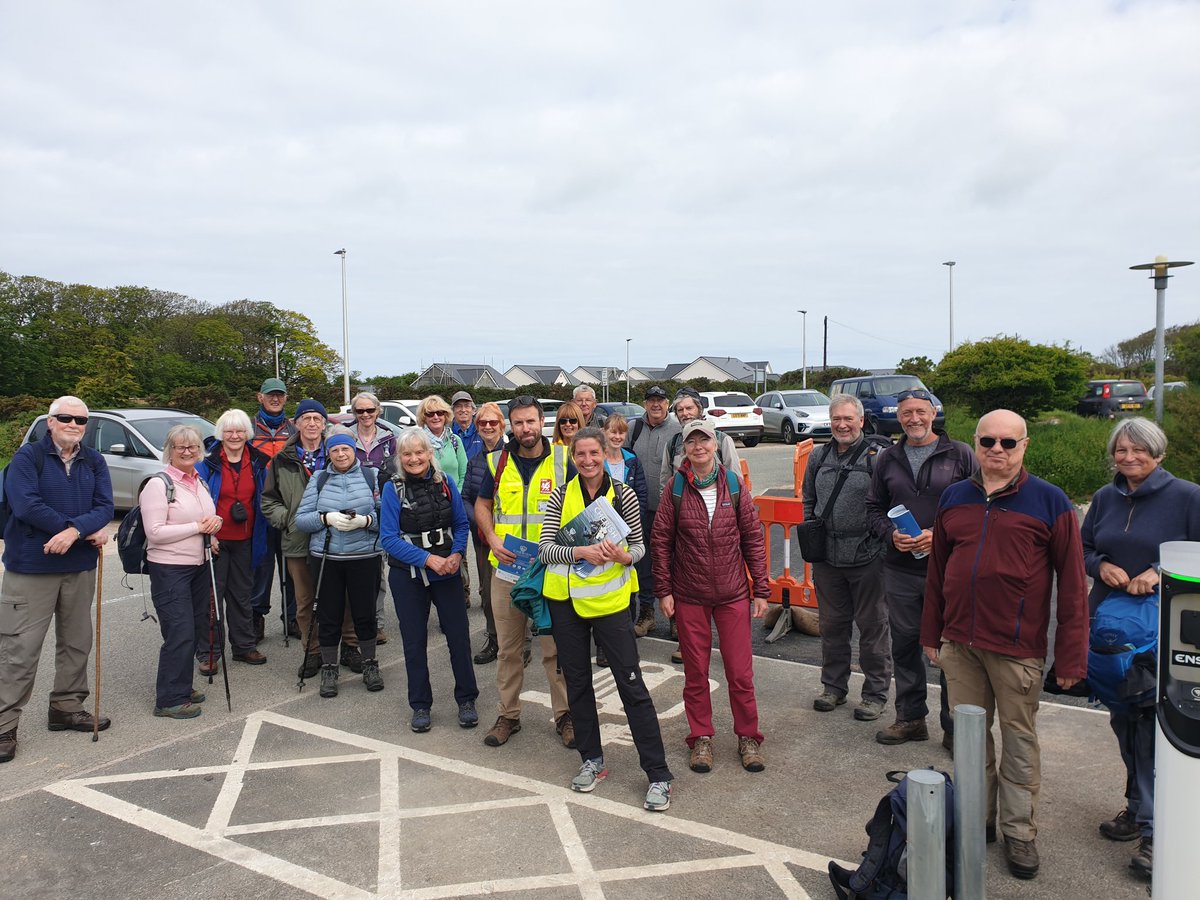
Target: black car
(1111,397)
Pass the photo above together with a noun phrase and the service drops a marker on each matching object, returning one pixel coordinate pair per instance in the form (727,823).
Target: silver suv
(132,443)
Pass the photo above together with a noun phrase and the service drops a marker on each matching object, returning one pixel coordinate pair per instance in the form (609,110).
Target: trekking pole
(212,573)
(99,607)
(312,621)
(282,563)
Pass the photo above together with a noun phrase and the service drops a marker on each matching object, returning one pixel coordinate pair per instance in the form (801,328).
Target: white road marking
(215,838)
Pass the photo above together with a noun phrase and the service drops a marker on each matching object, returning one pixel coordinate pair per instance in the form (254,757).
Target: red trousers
(694,622)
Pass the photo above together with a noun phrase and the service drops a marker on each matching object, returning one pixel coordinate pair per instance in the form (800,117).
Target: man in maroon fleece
(999,540)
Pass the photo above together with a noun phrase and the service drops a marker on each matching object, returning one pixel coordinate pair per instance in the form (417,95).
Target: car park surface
(792,415)
(131,441)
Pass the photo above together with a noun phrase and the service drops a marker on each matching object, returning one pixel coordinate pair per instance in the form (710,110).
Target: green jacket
(284,488)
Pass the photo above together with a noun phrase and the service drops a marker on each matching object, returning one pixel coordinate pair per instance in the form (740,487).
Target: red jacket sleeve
(662,543)
(1071,638)
(933,615)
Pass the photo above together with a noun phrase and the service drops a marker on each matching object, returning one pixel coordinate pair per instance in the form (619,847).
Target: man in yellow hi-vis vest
(512,501)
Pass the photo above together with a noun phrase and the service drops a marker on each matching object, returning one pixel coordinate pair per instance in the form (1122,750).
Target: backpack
(1123,650)
(131,534)
(883,873)
(735,490)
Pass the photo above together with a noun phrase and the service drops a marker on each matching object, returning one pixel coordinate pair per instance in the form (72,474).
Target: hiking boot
(197,697)
(869,710)
(1143,860)
(468,717)
(422,721)
(658,798)
(372,680)
(182,711)
(677,655)
(207,669)
(1121,827)
(329,680)
(351,659)
(566,730)
(591,773)
(752,758)
(1022,857)
(8,745)
(601,658)
(250,657)
(827,701)
(74,721)
(645,621)
(502,731)
(310,667)
(380,636)
(260,627)
(701,758)
(488,652)
(902,731)
(293,629)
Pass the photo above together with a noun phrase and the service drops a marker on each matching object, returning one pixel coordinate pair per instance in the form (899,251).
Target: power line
(876,337)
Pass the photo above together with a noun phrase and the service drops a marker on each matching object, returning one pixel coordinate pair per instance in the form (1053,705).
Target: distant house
(726,368)
(474,374)
(639,374)
(525,375)
(595,374)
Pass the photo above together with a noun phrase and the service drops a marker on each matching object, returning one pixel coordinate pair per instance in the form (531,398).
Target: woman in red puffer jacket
(701,553)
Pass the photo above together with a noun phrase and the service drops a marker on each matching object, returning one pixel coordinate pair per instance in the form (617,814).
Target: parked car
(1168,387)
(132,443)
(628,410)
(877,393)
(795,414)
(398,412)
(735,414)
(346,420)
(550,408)
(1109,397)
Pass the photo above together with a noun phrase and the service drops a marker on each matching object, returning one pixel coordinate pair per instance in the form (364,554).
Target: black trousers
(614,634)
(345,580)
(905,593)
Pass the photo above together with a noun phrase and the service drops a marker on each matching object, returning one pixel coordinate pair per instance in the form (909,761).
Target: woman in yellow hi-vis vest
(589,581)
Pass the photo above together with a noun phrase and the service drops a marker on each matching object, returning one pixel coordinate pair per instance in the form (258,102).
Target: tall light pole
(627,340)
(949,264)
(803,348)
(1160,276)
(345,332)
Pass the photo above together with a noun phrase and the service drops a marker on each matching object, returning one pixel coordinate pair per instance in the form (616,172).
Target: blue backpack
(1123,650)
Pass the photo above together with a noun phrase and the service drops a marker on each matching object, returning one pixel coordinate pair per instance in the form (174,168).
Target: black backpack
(131,534)
(882,875)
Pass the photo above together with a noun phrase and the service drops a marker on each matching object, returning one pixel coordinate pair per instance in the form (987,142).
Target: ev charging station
(1177,744)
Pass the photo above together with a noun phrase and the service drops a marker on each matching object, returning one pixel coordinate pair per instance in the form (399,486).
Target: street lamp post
(949,264)
(1160,276)
(627,340)
(345,333)
(803,347)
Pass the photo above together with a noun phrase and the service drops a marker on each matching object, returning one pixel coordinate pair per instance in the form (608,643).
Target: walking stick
(282,563)
(312,621)
(99,607)
(216,614)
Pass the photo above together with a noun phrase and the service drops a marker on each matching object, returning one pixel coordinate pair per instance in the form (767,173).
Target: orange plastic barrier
(786,512)
(804,449)
(746,476)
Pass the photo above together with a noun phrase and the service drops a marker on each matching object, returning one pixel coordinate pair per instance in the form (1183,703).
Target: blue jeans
(412,599)
(180,595)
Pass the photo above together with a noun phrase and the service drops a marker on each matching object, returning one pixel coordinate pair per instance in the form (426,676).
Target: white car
(735,414)
(795,415)
(398,412)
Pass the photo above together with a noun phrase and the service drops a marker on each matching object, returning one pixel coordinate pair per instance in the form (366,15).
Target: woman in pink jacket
(705,538)
(179,581)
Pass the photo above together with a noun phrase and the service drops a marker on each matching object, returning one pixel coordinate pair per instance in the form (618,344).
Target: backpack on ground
(883,873)
(735,490)
(1123,650)
(131,533)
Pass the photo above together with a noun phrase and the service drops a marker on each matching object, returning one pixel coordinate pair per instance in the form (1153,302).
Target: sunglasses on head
(567,420)
(67,419)
(914,394)
(987,443)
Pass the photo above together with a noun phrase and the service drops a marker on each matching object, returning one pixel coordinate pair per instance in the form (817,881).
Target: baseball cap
(461,395)
(272,386)
(701,425)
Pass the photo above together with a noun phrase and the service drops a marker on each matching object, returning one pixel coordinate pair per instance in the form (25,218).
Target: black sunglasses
(914,394)
(68,419)
(568,421)
(366,412)
(987,443)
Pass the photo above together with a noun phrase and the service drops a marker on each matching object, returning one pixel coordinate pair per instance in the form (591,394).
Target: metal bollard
(926,835)
(970,802)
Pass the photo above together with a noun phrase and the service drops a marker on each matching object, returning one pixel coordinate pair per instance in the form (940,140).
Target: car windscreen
(1128,389)
(894,384)
(155,430)
(805,398)
(732,400)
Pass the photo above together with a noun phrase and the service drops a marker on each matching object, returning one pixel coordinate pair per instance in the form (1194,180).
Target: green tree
(921,366)
(110,381)
(1008,372)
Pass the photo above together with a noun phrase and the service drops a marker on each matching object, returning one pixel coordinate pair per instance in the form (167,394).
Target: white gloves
(343,522)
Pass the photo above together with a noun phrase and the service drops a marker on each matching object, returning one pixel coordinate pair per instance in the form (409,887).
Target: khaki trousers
(304,583)
(27,603)
(511,626)
(1011,687)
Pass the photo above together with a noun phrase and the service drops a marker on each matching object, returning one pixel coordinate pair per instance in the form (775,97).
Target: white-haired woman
(234,472)
(433,414)
(1129,518)
(423,527)
(179,582)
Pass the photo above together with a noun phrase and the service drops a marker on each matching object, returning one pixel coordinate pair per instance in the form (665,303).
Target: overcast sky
(536,182)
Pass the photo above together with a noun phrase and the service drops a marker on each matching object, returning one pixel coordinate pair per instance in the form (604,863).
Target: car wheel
(751,441)
(787,432)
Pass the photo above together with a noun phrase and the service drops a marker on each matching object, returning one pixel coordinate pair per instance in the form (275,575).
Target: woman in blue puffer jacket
(340,509)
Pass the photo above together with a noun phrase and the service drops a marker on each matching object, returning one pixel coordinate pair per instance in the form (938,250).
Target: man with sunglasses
(60,500)
(1000,540)
(913,472)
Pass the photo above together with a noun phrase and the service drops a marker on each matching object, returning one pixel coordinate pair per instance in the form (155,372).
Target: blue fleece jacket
(390,530)
(472,442)
(43,505)
(1125,527)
